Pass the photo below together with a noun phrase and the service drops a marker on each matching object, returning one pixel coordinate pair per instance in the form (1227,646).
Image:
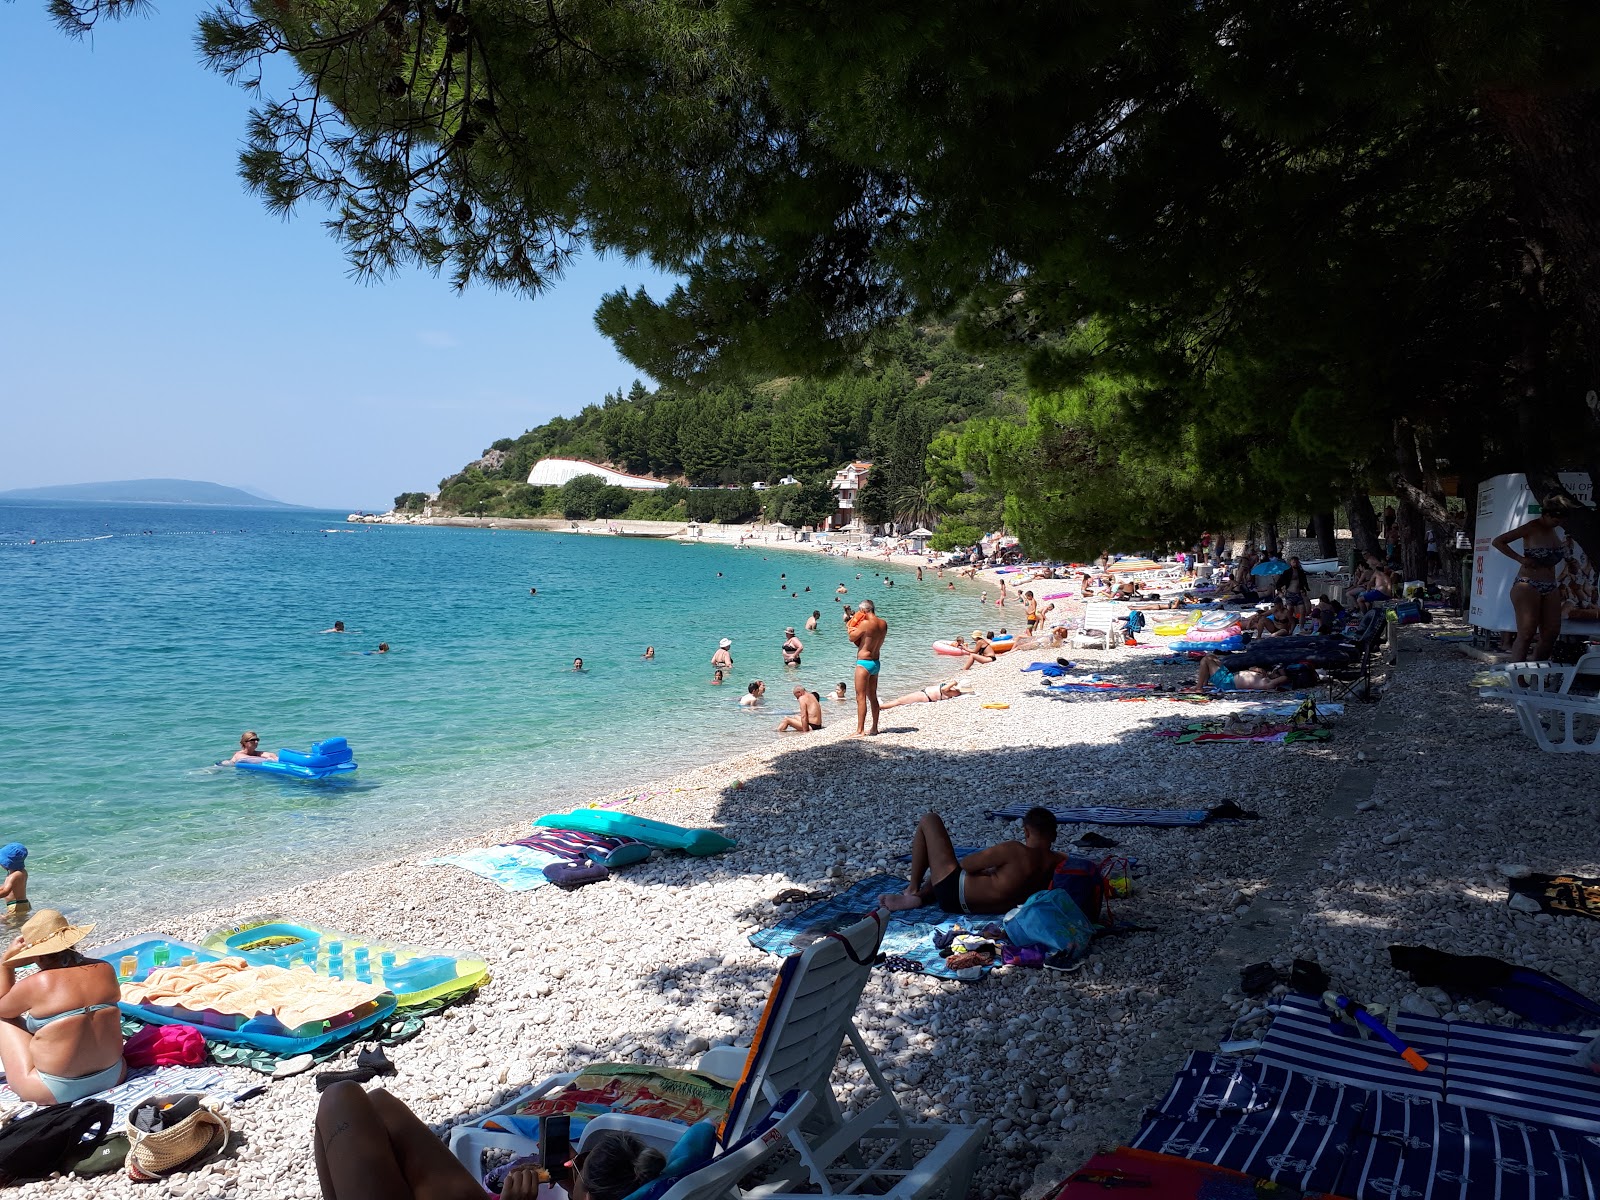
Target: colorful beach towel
(512,868)
(1209,732)
(146,1081)
(1561,895)
(907,935)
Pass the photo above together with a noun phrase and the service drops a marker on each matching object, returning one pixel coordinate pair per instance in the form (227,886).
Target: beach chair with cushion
(1099,627)
(878,1151)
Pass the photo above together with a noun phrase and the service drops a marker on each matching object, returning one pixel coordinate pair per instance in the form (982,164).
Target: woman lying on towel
(370,1145)
(60,1034)
(931,694)
(1244,680)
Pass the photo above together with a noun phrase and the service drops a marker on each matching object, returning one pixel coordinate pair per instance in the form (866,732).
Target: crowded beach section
(1090,872)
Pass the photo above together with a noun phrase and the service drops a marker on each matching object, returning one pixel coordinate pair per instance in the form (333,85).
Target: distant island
(149,491)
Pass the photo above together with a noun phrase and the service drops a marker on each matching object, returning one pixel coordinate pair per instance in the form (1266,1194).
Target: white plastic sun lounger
(878,1151)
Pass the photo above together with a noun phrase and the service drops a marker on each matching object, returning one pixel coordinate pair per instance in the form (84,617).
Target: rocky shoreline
(655,964)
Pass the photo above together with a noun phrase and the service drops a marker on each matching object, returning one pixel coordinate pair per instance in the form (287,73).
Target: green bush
(521,500)
(580,497)
(953,535)
(612,501)
(410,501)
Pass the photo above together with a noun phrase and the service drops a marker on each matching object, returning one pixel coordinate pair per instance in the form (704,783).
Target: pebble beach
(1401,828)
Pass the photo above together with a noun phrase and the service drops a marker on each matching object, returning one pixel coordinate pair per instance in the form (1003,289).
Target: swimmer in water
(716,677)
(13,861)
(752,694)
(842,590)
(649,653)
(338,627)
(250,747)
(577,664)
(811,621)
(842,692)
(533,591)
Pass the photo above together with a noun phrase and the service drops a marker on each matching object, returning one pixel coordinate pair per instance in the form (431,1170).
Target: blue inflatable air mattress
(332,756)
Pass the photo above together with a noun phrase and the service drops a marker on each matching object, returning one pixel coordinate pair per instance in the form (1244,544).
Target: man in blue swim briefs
(990,881)
(866,629)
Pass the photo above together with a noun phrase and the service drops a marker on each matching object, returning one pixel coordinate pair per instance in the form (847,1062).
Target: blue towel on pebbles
(1048,670)
(908,935)
(511,868)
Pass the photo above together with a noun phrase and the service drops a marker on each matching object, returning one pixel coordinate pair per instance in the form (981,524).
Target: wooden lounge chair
(878,1151)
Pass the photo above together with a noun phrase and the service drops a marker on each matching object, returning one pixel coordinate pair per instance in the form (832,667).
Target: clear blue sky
(155,321)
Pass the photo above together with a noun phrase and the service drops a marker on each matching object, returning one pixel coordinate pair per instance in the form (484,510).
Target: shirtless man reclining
(991,881)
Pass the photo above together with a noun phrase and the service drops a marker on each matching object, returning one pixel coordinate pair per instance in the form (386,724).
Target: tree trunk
(1363,520)
(1322,530)
(1269,537)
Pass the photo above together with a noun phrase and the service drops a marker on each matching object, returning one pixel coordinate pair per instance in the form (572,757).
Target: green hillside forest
(903,408)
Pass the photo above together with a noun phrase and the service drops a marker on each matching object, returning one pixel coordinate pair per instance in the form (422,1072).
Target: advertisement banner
(1503,504)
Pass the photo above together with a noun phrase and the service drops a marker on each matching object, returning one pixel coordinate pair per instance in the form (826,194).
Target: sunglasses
(252,741)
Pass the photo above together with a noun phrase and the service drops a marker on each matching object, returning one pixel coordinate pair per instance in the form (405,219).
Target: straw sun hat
(46,932)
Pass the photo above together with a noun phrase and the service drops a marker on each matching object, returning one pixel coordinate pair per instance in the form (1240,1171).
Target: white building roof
(553,472)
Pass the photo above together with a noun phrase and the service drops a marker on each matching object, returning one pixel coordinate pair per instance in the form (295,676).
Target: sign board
(1503,504)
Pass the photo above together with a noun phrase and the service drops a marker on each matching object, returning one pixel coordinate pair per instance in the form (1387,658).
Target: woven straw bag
(196,1139)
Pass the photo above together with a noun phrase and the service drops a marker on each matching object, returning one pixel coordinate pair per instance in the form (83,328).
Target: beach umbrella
(919,531)
(1272,566)
(1133,564)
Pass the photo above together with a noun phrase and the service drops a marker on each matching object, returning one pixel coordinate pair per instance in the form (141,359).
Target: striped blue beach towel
(1302,1039)
(1371,1145)
(1264,1121)
(1100,815)
(1524,1074)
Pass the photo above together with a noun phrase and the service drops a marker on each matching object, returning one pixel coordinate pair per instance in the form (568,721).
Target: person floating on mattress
(1246,679)
(14,890)
(370,1146)
(990,881)
(250,747)
(60,1033)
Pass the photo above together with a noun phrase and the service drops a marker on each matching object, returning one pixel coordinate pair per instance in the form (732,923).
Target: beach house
(847,481)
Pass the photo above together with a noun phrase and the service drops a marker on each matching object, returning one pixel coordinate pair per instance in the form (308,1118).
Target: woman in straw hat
(60,1036)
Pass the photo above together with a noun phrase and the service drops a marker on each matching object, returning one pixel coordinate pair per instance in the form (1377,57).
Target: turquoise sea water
(140,640)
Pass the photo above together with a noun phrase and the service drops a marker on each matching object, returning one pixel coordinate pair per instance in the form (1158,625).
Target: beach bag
(43,1142)
(1081,878)
(1408,612)
(170,1133)
(1116,873)
(1051,921)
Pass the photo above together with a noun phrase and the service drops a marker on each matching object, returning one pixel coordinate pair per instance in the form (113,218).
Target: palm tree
(914,505)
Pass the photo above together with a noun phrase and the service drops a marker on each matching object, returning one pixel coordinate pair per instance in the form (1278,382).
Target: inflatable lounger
(329,757)
(652,833)
(152,950)
(1233,642)
(414,975)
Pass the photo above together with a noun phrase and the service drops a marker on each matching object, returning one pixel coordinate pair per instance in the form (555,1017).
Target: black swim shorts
(950,892)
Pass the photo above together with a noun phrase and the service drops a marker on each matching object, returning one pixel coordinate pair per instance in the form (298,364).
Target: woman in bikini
(931,694)
(1536,594)
(60,1033)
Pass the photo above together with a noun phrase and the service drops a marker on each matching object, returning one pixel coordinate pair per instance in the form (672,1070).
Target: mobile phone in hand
(555,1147)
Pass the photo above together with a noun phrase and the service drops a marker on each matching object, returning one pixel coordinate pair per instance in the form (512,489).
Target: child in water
(15,888)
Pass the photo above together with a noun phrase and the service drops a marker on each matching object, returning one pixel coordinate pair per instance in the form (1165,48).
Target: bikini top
(1544,556)
(35,1024)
